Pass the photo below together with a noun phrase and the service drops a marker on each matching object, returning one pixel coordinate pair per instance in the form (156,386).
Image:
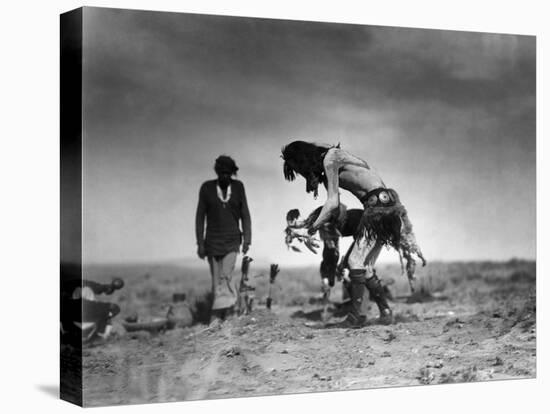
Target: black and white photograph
(269,207)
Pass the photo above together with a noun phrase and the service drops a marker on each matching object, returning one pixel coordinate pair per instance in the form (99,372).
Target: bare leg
(364,254)
(227,296)
(215,271)
(361,262)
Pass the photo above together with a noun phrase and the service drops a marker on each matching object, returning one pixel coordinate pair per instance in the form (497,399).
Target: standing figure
(222,203)
(384,221)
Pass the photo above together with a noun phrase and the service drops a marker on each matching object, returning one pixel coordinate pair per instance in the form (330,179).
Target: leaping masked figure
(384,222)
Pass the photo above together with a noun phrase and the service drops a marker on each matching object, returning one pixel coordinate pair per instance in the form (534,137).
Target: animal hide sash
(388,223)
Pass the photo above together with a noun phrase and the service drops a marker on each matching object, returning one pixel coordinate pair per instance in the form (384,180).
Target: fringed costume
(385,221)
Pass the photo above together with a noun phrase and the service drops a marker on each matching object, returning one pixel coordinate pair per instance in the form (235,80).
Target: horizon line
(197,262)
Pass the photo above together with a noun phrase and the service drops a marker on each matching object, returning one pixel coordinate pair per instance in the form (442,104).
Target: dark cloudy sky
(447,119)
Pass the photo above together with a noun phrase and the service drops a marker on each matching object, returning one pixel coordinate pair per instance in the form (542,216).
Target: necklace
(223,199)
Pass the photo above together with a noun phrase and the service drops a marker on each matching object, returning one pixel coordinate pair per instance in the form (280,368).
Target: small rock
(437,364)
(230,353)
(385,354)
(132,318)
(391,337)
(498,361)
(426,376)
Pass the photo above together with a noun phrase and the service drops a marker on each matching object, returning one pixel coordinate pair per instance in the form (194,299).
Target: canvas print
(256,206)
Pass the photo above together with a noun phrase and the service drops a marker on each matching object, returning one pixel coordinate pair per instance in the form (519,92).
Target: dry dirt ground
(473,322)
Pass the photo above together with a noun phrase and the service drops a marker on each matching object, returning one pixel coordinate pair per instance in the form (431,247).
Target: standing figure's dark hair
(225,163)
(305,159)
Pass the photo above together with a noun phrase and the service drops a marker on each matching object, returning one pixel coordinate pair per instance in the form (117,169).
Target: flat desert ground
(469,321)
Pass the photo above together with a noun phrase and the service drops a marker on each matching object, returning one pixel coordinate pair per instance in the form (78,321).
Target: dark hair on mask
(225,164)
(307,160)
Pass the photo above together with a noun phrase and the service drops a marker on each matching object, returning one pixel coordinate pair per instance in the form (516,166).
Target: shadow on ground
(49,389)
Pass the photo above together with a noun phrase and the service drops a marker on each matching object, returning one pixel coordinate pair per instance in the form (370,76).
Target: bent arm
(333,196)
(245,219)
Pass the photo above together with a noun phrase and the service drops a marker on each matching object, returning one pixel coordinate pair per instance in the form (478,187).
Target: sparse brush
(273,272)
